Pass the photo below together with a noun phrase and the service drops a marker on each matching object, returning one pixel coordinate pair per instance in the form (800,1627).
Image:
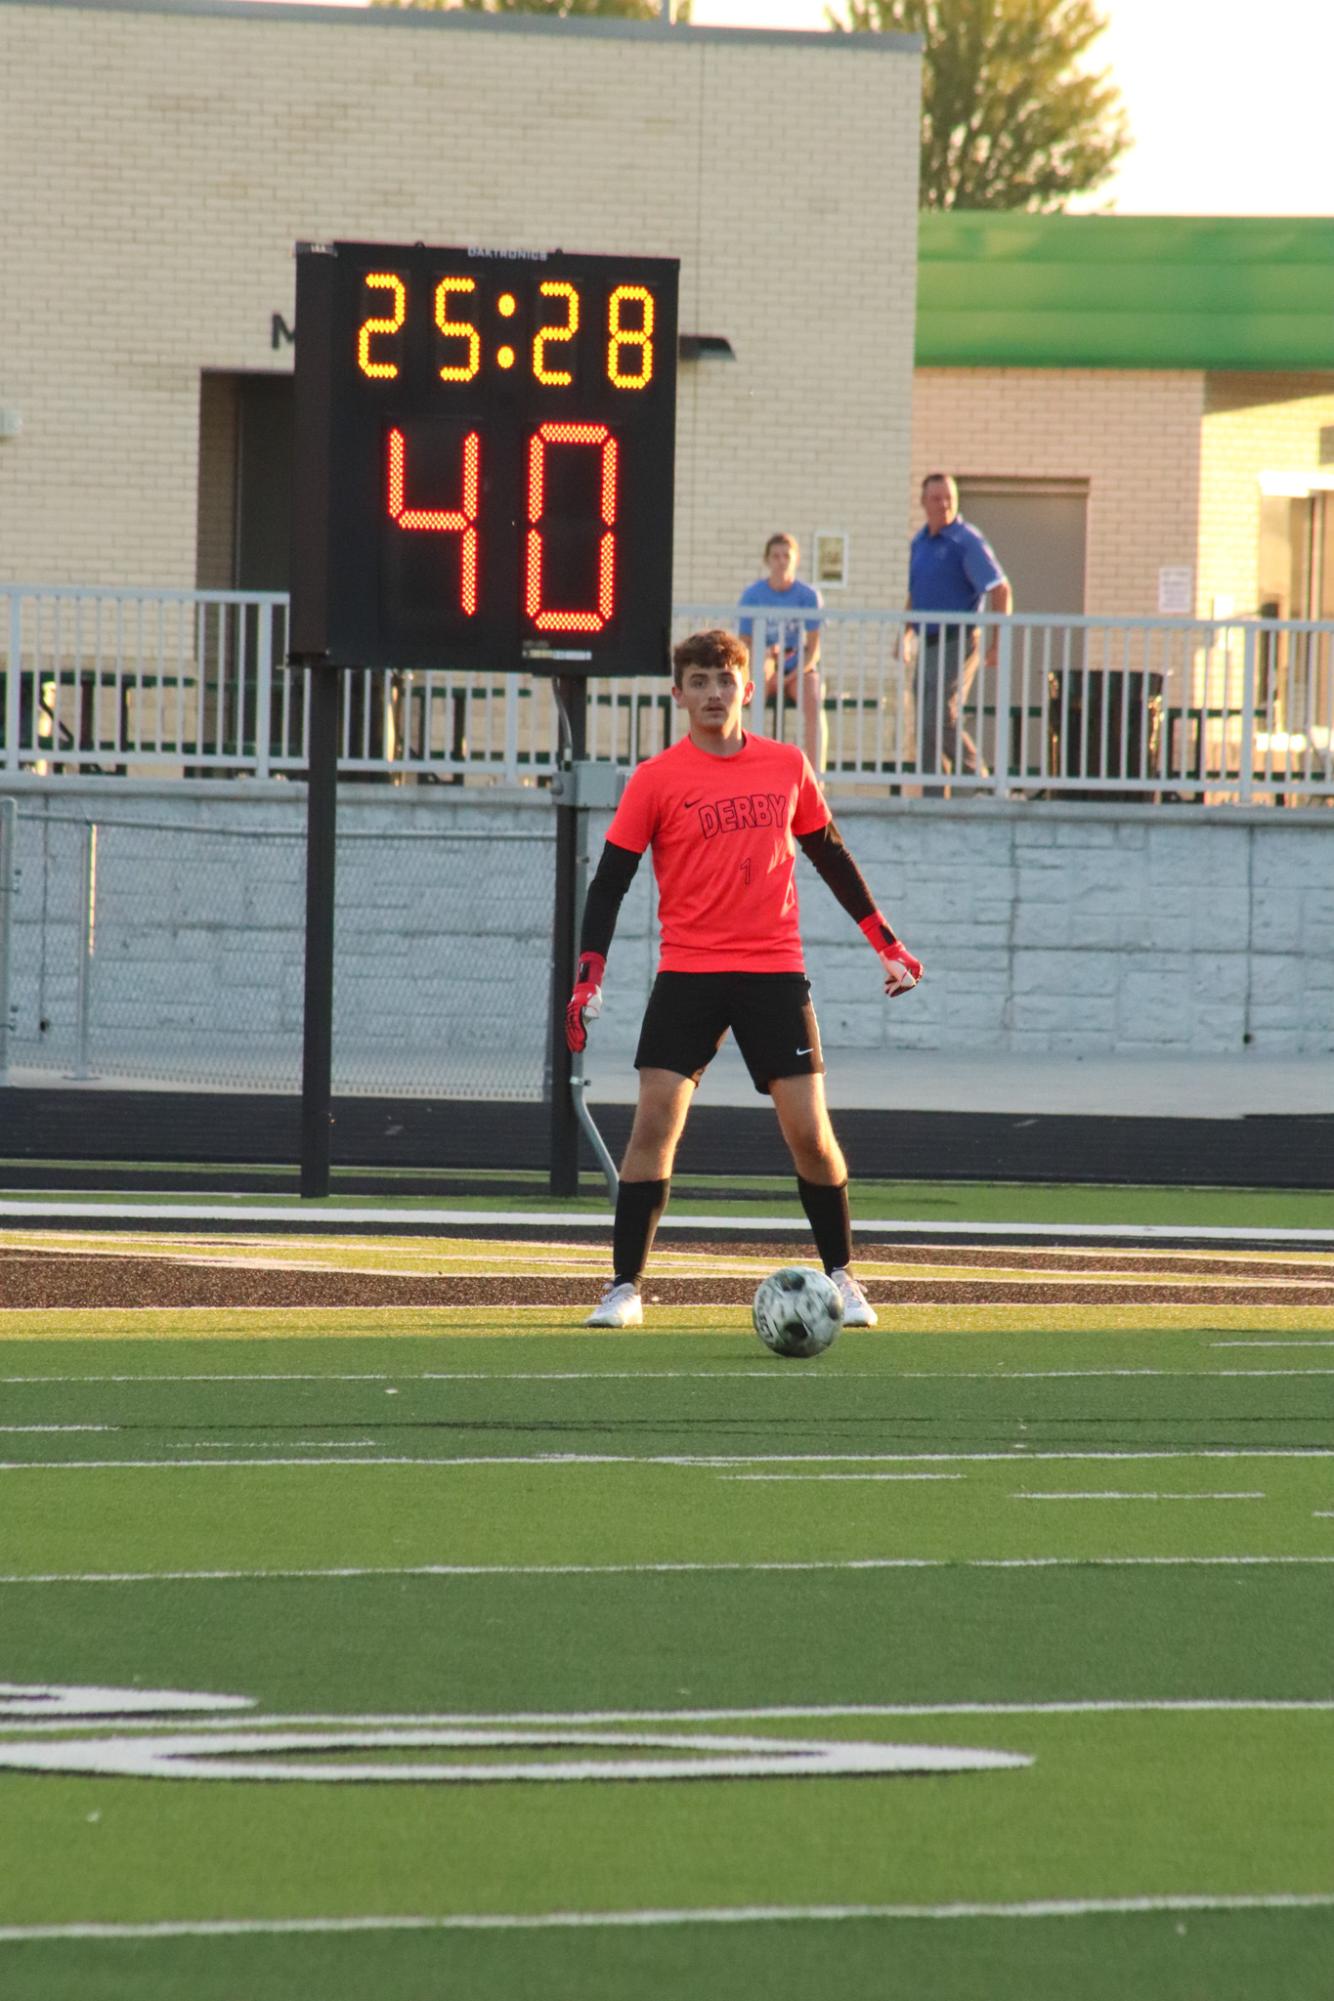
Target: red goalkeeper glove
(902,971)
(585,1001)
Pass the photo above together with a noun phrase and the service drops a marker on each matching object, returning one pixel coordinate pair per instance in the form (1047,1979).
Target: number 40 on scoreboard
(484,456)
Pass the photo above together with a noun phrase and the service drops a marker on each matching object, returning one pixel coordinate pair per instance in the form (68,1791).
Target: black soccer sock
(639,1207)
(827,1213)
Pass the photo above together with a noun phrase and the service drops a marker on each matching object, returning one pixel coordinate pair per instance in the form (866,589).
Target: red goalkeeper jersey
(723,831)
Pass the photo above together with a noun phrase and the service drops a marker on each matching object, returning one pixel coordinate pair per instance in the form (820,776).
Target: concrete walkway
(1201,1087)
(914,1080)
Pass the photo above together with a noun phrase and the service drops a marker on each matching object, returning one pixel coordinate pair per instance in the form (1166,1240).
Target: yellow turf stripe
(259,1323)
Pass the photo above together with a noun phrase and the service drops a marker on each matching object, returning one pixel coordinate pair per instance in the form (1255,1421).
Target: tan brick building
(1143,408)
(159,161)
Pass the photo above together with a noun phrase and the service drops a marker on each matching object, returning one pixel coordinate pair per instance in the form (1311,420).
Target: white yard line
(1274,1341)
(418,1221)
(1103,1494)
(601,1718)
(761,1372)
(559,1460)
(1082,1375)
(745,1914)
(313,1376)
(258,1444)
(343,1572)
(808,1477)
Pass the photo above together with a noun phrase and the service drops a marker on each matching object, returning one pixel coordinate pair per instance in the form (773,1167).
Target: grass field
(534,1662)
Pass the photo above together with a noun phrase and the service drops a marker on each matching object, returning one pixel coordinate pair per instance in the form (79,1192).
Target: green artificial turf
(674,1524)
(1192,1956)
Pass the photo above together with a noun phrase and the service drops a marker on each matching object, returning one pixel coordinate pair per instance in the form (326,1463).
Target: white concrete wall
(1046,929)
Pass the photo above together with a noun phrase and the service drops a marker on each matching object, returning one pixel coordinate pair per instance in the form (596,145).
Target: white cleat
(619,1306)
(857,1308)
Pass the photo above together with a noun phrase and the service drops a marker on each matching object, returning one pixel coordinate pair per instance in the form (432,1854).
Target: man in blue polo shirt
(953,568)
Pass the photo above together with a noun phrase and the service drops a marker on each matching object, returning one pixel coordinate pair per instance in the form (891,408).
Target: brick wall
(1133,434)
(157,165)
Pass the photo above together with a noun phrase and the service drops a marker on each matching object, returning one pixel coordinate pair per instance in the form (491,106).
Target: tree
(554,10)
(1010,119)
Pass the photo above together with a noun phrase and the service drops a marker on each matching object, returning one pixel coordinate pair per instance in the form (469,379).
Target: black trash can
(1121,705)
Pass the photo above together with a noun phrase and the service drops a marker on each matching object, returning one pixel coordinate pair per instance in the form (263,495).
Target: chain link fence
(164,952)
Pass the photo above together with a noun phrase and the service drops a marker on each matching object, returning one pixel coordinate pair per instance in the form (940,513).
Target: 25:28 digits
(628,333)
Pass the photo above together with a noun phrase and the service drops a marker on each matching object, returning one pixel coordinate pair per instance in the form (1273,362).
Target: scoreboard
(484,456)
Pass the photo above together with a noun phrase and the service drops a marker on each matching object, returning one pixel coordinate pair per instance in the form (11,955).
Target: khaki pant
(948,667)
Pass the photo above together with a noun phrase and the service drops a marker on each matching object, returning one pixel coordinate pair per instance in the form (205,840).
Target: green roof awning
(1015,290)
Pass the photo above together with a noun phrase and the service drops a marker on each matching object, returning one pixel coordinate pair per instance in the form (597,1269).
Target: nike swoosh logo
(807,1052)
(689,805)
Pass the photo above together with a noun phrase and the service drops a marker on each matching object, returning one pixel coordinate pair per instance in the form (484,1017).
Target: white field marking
(688,1461)
(257,1444)
(11,1430)
(757,1374)
(1063,1375)
(311,1377)
(808,1477)
(65,1704)
(648,1920)
(1273,1341)
(1104,1494)
(341,1572)
(417,1222)
(1323,1514)
(207,1754)
(589,1719)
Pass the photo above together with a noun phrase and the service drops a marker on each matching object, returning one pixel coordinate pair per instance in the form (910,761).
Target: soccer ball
(798,1311)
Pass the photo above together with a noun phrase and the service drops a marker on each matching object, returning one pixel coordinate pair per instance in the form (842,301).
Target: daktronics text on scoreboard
(484,459)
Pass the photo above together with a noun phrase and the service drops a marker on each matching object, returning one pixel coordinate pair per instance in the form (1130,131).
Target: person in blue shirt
(951,567)
(791,645)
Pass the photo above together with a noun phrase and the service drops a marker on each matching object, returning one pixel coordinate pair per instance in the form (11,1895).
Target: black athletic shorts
(770,1014)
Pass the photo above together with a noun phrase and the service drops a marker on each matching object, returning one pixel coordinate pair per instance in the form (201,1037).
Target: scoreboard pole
(324,687)
(572,696)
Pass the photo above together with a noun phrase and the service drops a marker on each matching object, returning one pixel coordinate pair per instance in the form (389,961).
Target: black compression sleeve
(602,906)
(830,859)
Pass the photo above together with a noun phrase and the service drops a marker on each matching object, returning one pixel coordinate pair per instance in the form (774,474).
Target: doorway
(243,543)
(1296,581)
(1039,532)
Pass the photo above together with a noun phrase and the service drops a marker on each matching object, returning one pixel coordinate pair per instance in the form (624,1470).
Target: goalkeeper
(724,813)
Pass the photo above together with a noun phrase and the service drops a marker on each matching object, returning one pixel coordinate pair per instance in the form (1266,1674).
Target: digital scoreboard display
(484,455)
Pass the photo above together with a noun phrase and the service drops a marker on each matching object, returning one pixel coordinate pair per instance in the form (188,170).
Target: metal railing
(194,683)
